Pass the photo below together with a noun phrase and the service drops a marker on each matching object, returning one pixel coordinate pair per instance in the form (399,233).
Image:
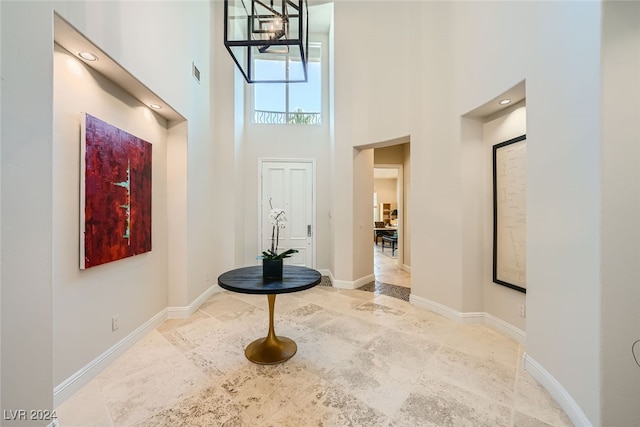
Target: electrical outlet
(115,323)
(522,310)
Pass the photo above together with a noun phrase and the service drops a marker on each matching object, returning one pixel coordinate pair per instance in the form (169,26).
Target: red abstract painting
(115,194)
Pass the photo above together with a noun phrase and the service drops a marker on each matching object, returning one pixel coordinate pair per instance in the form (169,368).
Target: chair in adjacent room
(378,233)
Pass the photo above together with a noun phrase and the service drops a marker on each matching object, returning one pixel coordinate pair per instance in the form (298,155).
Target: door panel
(289,185)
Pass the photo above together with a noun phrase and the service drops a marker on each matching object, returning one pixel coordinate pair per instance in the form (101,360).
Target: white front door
(289,186)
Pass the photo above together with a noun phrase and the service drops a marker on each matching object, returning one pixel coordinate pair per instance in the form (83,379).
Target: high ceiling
(320,15)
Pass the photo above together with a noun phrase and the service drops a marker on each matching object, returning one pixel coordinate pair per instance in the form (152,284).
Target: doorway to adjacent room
(388,206)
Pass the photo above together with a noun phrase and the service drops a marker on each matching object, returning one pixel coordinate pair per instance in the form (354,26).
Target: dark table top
(248,280)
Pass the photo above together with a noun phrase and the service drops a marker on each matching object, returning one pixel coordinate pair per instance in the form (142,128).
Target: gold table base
(271,349)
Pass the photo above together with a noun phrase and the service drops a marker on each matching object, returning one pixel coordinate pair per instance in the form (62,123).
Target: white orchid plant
(278,218)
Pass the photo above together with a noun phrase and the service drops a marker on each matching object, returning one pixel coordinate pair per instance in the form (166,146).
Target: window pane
(270,96)
(273,68)
(307,96)
(304,104)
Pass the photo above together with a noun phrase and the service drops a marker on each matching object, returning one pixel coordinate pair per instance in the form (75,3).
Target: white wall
(620,295)
(563,199)
(468,53)
(476,200)
(27,126)
(227,121)
(363,215)
(495,45)
(436,159)
(1,405)
(562,194)
(498,300)
(387,190)
(407,215)
(287,142)
(155,42)
(366,111)
(134,288)
(176,182)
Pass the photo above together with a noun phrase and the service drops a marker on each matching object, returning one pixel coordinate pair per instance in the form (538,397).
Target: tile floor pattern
(386,269)
(380,288)
(363,360)
(389,279)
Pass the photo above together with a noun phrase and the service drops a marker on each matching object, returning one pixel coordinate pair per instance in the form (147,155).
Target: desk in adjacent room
(383,231)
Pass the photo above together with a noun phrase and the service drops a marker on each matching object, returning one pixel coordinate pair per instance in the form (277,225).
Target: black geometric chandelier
(268,39)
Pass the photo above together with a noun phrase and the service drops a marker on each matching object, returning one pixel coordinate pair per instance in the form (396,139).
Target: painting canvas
(115,194)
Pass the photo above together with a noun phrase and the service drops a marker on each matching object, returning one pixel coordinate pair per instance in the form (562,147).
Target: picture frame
(115,193)
(509,213)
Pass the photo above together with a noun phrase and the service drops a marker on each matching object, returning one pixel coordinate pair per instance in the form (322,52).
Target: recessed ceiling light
(87,56)
(504,102)
(155,106)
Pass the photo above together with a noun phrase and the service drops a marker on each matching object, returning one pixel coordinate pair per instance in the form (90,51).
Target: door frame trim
(312,161)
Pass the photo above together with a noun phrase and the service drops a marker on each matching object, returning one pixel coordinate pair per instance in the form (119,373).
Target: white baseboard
(471,317)
(564,399)
(445,311)
(184,312)
(406,268)
(325,272)
(346,284)
(82,377)
(506,328)
(76,381)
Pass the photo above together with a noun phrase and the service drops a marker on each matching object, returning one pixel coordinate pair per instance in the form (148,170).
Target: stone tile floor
(390,280)
(386,268)
(363,359)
